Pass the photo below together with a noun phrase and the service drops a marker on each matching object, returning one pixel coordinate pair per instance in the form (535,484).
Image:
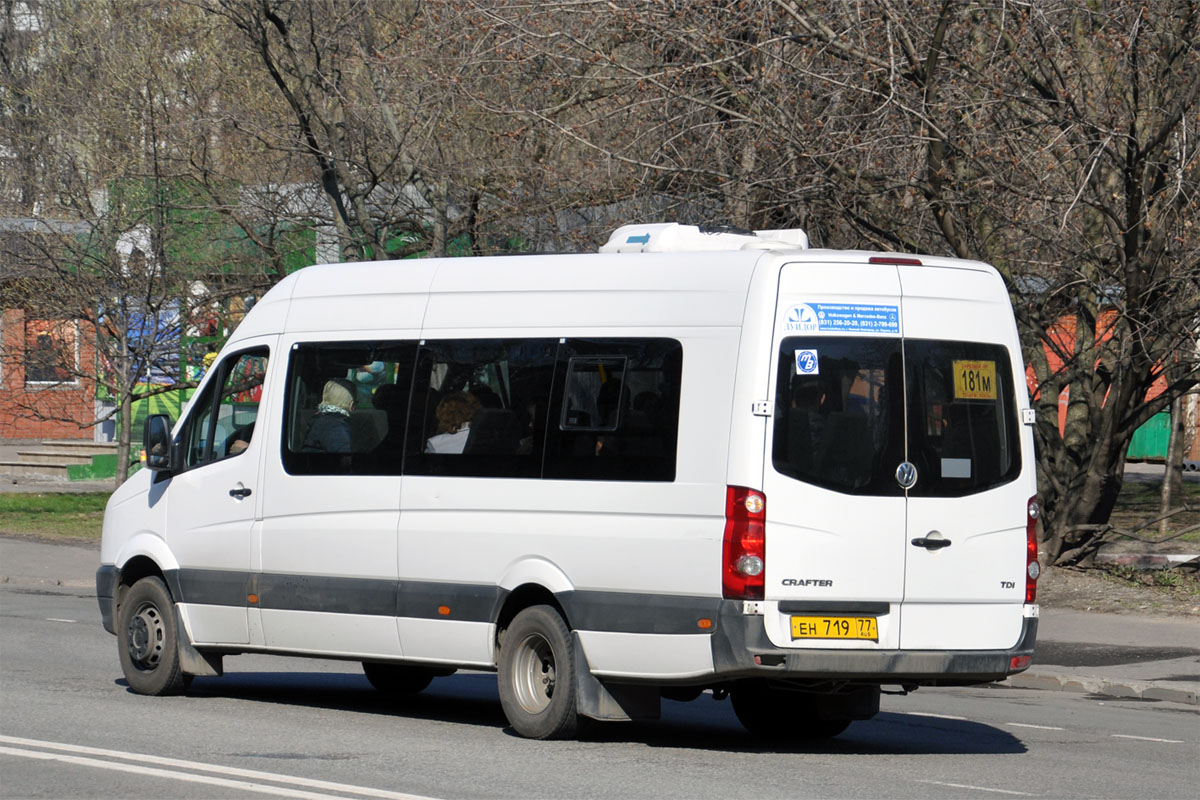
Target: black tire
(537,675)
(681,694)
(148,640)
(780,714)
(400,679)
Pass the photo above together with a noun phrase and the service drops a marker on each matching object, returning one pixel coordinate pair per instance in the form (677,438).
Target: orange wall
(1063,334)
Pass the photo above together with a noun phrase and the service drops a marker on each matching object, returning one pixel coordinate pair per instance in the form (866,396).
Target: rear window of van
(849,410)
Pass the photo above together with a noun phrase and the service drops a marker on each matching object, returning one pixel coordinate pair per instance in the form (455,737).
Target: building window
(51,351)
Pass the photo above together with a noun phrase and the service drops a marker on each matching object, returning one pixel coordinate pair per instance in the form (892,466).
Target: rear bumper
(741,650)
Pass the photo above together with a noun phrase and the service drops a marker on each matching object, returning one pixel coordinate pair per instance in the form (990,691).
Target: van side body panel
(659,537)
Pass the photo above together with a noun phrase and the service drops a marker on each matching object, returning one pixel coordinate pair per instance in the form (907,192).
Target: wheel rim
(534,673)
(147,633)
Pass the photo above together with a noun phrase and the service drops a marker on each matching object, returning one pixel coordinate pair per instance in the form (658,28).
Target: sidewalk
(1118,655)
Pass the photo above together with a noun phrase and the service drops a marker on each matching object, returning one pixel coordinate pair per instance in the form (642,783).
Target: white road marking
(210,780)
(56,619)
(143,759)
(976,788)
(1147,739)
(1037,727)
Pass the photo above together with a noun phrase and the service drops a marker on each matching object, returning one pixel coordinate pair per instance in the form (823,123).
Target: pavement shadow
(473,700)
(703,724)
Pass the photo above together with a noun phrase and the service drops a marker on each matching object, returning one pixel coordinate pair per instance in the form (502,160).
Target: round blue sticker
(807,363)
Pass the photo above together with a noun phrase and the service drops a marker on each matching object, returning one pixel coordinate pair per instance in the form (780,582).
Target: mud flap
(191,660)
(611,702)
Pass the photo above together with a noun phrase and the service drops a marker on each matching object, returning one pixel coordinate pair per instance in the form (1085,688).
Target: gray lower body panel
(741,650)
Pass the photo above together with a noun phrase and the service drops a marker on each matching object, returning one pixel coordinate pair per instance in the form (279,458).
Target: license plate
(835,628)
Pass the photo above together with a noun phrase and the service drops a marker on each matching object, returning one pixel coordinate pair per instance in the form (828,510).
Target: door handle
(931,544)
(240,492)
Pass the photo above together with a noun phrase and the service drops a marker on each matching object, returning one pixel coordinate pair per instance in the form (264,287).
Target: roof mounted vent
(671,237)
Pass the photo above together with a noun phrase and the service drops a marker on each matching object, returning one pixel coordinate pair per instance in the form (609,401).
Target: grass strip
(68,516)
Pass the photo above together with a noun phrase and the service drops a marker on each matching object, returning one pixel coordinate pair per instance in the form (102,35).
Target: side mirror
(156,439)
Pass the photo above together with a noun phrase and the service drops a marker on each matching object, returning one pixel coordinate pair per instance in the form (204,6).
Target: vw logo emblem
(906,475)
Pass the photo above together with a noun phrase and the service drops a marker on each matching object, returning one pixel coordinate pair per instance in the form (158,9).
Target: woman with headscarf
(329,429)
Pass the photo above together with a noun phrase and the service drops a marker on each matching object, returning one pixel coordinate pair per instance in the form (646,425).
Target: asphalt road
(306,728)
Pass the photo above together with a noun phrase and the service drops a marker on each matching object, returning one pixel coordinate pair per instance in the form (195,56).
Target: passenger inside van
(391,400)
(806,422)
(454,414)
(239,440)
(329,429)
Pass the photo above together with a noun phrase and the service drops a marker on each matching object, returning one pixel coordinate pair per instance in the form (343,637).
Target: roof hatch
(671,237)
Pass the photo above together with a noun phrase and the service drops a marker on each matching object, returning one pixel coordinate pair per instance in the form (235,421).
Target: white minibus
(701,459)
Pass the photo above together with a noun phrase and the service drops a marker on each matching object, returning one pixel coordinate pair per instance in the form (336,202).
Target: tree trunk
(124,438)
(1172,485)
(127,382)
(441,220)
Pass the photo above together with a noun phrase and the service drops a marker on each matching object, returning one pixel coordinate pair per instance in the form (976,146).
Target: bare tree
(1054,140)
(332,104)
(113,239)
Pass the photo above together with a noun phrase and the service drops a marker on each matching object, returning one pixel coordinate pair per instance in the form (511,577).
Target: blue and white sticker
(801,318)
(842,318)
(807,363)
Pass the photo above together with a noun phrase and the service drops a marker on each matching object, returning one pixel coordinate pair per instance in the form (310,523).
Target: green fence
(1150,441)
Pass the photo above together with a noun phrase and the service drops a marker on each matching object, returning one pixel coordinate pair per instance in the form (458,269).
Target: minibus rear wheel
(537,675)
(148,640)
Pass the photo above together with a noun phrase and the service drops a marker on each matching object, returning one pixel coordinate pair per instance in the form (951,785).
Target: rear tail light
(1032,568)
(744,551)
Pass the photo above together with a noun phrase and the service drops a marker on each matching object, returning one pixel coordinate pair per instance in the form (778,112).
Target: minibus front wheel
(537,682)
(148,639)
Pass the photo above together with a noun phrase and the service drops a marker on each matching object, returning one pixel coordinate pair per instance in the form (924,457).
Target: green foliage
(1167,579)
(68,516)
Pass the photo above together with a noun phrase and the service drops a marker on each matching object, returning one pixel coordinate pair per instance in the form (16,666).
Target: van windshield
(840,412)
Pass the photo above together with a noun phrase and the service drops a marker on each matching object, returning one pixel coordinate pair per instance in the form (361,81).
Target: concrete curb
(1146,560)
(1068,680)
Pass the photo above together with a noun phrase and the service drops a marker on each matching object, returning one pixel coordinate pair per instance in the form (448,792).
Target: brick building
(45,391)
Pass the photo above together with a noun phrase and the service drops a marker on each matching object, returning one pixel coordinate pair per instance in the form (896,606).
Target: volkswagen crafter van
(697,460)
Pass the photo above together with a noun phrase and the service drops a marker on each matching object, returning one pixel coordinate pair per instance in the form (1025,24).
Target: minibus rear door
(966,556)
(835,515)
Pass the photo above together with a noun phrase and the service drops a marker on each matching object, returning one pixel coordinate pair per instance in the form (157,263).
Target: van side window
(480,407)
(346,407)
(590,402)
(617,410)
(222,423)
